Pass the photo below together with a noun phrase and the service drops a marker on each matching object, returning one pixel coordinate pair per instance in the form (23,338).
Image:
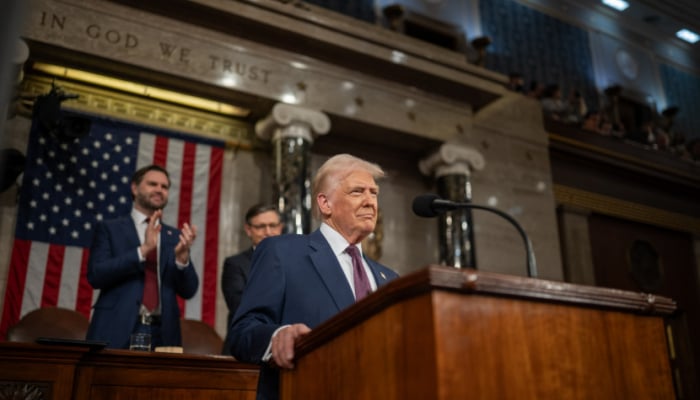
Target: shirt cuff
(268,352)
(181,266)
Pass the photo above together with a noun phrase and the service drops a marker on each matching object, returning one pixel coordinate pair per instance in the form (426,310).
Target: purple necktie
(362,286)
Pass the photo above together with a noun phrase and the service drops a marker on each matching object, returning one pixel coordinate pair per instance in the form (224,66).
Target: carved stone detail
(452,159)
(144,111)
(287,120)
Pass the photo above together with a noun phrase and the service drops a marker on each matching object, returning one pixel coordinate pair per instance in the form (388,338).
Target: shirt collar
(138,216)
(336,240)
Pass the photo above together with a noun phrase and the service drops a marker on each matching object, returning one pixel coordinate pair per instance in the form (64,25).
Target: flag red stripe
(209,280)
(52,275)
(184,212)
(84,299)
(186,183)
(14,289)
(160,152)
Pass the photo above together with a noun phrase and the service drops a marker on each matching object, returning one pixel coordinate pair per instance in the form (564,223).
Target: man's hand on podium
(283,344)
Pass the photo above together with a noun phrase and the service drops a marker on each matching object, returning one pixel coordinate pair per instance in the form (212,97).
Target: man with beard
(139,265)
(298,281)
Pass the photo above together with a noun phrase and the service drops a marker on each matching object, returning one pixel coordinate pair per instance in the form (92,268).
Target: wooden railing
(34,371)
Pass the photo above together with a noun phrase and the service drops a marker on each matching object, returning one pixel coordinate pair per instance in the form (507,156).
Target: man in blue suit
(125,252)
(298,281)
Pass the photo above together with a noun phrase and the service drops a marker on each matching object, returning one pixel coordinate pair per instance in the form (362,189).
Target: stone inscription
(194,53)
(111,37)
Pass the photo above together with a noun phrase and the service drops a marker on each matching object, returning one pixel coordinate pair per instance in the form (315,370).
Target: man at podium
(298,281)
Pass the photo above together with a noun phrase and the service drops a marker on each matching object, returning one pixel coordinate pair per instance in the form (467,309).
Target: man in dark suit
(298,281)
(261,221)
(139,265)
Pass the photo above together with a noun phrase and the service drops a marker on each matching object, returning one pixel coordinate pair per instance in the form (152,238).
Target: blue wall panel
(683,90)
(540,47)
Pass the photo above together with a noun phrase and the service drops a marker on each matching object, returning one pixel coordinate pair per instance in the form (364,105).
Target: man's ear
(324,204)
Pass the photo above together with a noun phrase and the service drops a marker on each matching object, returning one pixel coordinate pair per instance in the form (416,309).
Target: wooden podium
(445,333)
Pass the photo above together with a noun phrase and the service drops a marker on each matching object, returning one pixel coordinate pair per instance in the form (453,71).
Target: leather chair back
(200,338)
(53,322)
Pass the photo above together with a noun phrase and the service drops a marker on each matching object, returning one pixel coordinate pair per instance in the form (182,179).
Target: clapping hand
(182,250)
(150,242)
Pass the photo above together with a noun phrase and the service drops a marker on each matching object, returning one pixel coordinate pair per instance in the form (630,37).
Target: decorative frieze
(135,109)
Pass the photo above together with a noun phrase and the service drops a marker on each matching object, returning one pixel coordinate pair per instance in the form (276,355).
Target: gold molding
(138,110)
(626,209)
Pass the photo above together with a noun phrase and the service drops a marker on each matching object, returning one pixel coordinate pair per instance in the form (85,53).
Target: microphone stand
(531,263)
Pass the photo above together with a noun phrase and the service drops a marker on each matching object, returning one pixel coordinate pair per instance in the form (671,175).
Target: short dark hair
(139,174)
(258,209)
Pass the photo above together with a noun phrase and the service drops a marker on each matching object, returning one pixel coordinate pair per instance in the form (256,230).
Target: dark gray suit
(233,280)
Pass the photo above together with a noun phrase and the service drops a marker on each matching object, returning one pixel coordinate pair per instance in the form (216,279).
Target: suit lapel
(169,237)
(131,236)
(328,268)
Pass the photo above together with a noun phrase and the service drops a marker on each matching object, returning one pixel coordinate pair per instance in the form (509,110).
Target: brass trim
(626,209)
(671,344)
(108,103)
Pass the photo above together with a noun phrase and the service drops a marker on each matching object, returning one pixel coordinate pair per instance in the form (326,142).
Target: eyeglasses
(260,227)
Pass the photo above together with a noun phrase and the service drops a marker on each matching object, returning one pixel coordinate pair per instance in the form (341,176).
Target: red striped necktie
(150,282)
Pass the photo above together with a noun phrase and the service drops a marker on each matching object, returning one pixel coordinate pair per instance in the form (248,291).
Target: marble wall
(508,131)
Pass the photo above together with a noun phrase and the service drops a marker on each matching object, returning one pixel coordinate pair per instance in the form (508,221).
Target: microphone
(430,205)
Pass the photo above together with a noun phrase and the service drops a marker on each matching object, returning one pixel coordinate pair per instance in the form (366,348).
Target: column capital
(452,158)
(286,120)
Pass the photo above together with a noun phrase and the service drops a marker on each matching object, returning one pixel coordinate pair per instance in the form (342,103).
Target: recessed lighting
(688,36)
(619,5)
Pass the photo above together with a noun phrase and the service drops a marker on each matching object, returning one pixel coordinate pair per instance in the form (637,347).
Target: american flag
(69,186)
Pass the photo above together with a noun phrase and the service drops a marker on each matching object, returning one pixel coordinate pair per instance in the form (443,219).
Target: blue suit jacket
(293,279)
(114,268)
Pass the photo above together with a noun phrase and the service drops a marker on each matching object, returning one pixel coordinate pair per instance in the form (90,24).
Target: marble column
(292,130)
(451,167)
